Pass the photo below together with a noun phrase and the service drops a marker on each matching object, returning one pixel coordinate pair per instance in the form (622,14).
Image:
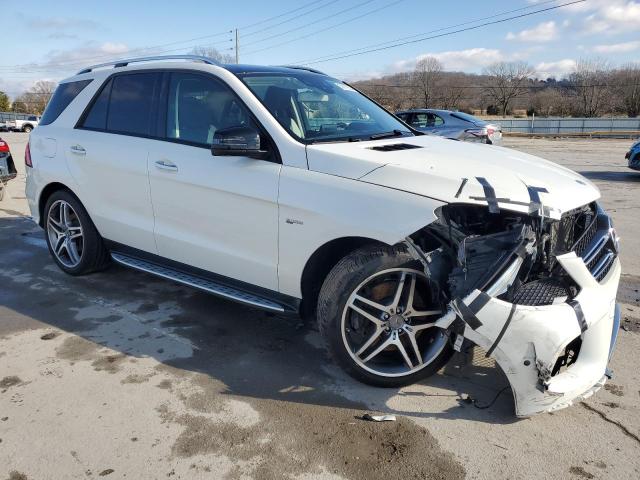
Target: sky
(53,40)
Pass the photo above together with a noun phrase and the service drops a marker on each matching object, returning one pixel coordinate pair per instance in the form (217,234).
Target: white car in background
(286,189)
(23,123)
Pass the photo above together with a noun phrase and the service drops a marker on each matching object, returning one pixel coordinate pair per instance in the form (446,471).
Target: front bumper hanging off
(527,341)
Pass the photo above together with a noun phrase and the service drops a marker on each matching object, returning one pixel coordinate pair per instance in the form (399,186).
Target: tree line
(593,88)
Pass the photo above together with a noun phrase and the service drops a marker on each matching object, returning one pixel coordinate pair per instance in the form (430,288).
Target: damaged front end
(536,293)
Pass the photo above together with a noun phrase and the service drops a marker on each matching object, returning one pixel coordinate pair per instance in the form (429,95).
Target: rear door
(217,213)
(107,155)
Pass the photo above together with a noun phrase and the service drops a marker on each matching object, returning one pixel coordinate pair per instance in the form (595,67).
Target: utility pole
(237,52)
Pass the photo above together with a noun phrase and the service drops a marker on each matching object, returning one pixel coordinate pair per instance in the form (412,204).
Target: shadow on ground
(253,354)
(608,176)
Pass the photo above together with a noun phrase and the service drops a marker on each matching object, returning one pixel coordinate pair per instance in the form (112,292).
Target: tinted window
(32,118)
(130,103)
(426,120)
(97,116)
(198,106)
(61,99)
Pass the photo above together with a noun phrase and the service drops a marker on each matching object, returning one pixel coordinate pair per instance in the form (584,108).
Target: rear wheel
(73,241)
(376,311)
(27,129)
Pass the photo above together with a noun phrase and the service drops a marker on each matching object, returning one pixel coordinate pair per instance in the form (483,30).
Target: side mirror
(237,142)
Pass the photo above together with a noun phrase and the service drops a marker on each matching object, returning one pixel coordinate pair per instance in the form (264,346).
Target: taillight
(4,147)
(478,132)
(27,156)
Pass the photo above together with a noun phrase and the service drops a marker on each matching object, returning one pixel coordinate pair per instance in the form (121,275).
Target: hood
(436,167)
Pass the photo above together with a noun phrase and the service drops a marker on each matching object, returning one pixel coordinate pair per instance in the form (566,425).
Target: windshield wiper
(334,140)
(392,133)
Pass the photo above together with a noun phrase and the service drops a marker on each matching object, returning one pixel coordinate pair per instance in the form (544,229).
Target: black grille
(575,230)
(394,146)
(540,292)
(586,238)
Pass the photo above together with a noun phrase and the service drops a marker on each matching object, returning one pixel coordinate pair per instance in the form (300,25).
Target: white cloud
(472,59)
(543,32)
(81,56)
(58,23)
(608,16)
(556,69)
(618,47)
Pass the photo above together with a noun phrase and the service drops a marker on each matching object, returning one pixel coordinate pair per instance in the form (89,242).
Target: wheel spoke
(380,348)
(403,352)
(371,303)
(61,244)
(370,341)
(64,214)
(75,232)
(398,295)
(422,326)
(412,290)
(73,251)
(367,315)
(423,313)
(414,344)
(57,229)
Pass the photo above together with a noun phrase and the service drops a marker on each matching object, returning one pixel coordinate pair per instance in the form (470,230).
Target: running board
(210,286)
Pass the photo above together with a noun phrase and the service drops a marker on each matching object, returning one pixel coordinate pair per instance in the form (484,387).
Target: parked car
(7,167)
(633,156)
(288,190)
(455,125)
(23,125)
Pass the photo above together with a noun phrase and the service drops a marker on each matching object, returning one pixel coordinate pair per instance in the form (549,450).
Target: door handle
(78,150)
(166,165)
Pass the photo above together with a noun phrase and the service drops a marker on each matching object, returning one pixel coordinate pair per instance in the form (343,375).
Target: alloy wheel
(388,323)
(65,234)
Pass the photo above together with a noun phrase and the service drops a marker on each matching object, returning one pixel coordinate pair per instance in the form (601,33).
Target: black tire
(94,256)
(343,279)
(27,129)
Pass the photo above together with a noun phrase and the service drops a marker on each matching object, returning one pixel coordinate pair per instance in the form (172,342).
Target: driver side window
(198,106)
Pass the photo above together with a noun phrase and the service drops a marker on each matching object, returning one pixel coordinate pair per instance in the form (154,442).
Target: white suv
(288,190)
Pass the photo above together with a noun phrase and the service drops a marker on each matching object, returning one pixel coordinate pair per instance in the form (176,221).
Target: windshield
(317,108)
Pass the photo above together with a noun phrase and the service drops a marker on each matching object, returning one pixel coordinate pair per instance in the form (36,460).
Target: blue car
(633,155)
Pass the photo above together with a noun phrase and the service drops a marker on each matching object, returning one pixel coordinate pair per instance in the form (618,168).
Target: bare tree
(507,81)
(627,86)
(590,83)
(214,53)
(452,90)
(426,77)
(36,98)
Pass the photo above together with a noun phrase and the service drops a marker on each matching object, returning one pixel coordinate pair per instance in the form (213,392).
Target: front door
(217,213)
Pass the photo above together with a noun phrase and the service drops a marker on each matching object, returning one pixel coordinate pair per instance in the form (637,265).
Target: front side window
(317,108)
(198,106)
(62,97)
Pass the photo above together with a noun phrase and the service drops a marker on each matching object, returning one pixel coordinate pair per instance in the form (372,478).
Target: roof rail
(308,69)
(126,61)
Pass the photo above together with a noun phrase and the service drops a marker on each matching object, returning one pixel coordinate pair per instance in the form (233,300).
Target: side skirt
(218,285)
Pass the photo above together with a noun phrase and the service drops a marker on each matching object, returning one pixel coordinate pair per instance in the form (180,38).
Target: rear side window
(62,97)
(96,119)
(124,105)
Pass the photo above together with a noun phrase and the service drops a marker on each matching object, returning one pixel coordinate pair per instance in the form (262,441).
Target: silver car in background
(455,125)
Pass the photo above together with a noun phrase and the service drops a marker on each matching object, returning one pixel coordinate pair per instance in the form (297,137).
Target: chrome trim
(126,61)
(595,248)
(197,282)
(602,264)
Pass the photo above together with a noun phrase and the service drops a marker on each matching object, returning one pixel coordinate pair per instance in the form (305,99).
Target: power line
(500,14)
(475,27)
(290,19)
(327,28)
(333,15)
(277,16)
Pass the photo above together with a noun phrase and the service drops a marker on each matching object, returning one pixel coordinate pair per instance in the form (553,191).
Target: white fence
(536,125)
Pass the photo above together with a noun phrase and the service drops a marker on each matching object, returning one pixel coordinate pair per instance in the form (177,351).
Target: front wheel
(377,311)
(27,129)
